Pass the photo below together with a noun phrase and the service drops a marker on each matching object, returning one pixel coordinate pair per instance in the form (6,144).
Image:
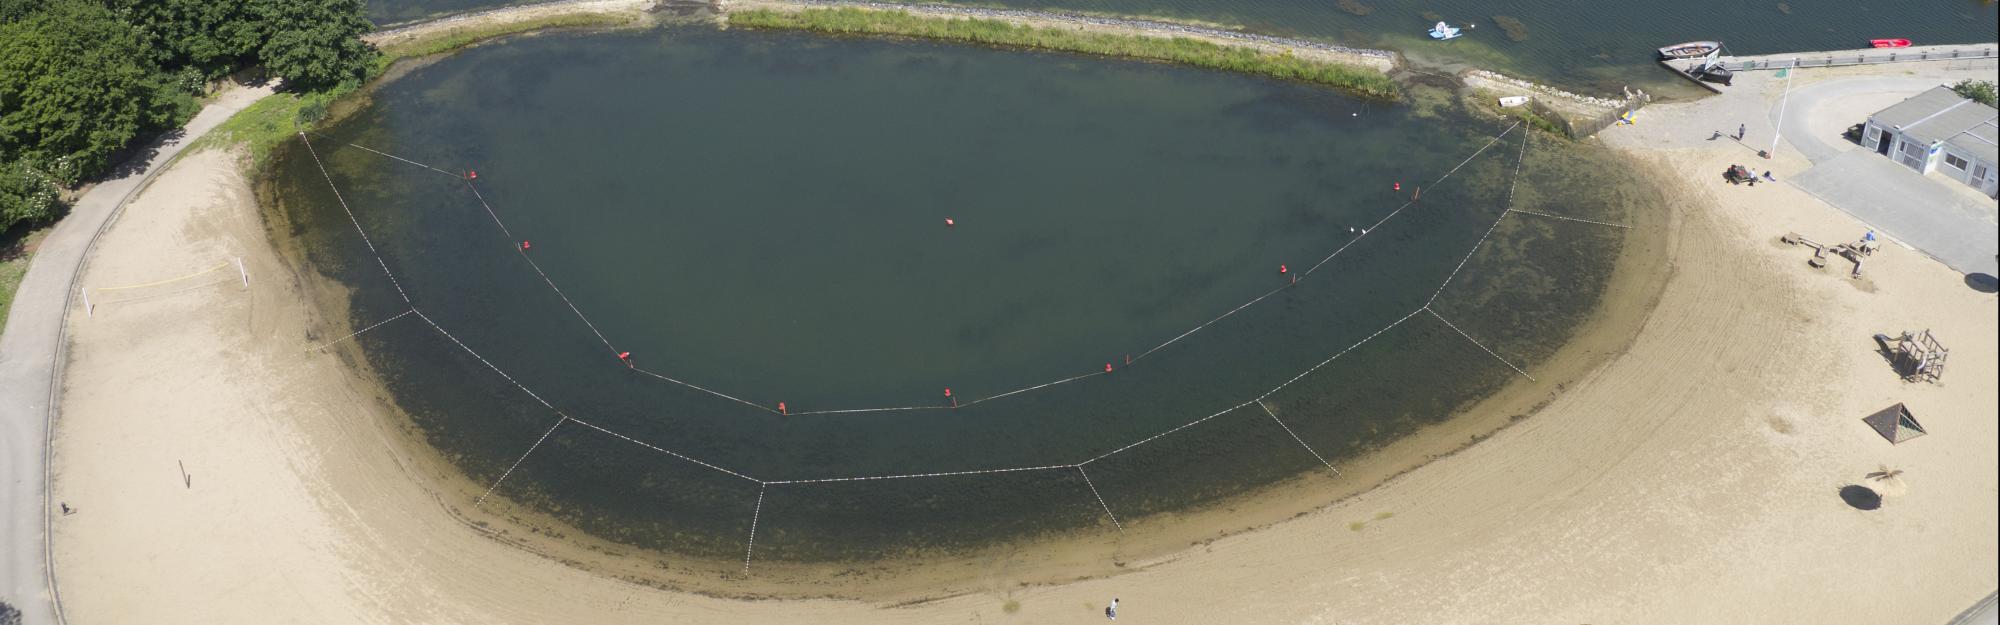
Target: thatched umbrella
(1888,481)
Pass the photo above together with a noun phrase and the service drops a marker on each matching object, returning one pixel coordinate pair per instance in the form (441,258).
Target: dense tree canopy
(315,43)
(212,36)
(82,79)
(76,85)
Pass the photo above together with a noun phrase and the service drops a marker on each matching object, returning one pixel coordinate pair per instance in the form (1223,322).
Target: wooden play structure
(1854,252)
(1918,356)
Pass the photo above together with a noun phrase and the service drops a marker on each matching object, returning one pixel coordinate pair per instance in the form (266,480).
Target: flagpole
(1786,99)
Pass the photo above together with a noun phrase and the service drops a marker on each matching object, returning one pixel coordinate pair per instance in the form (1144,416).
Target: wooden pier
(1864,56)
(1986,52)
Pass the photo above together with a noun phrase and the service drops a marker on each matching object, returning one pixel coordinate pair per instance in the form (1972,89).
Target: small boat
(1513,101)
(1690,50)
(1714,73)
(1890,43)
(1443,31)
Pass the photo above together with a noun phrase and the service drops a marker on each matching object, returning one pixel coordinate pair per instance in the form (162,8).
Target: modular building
(1939,130)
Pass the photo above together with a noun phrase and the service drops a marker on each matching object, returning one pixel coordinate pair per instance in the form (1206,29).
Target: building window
(1954,161)
(1913,156)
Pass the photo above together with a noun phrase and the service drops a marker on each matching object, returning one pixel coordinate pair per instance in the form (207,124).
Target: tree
(315,44)
(75,86)
(27,195)
(213,36)
(1981,91)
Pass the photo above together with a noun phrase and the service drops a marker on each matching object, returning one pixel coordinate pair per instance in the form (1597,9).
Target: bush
(27,195)
(1980,91)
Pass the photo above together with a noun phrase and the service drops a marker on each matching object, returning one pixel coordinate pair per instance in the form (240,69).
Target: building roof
(1940,115)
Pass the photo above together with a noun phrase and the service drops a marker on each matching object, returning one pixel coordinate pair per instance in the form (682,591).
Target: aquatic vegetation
(1516,31)
(1354,7)
(1356,80)
(461,37)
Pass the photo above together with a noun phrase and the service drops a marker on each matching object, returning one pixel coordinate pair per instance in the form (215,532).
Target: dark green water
(762,214)
(1586,45)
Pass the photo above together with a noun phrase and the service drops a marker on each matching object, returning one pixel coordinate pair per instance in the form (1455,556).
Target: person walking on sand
(1111,611)
(1740,131)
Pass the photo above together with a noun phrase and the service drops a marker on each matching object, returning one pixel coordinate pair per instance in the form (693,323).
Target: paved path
(1983,613)
(30,350)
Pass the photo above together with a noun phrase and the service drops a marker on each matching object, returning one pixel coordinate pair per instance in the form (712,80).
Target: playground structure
(1917,356)
(1855,252)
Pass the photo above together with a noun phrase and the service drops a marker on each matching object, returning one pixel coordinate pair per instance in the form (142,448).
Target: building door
(1883,147)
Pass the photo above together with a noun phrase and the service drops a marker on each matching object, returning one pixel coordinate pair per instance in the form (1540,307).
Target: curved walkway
(31,353)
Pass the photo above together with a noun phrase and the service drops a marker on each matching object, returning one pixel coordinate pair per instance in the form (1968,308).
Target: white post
(1780,130)
(88,309)
(240,272)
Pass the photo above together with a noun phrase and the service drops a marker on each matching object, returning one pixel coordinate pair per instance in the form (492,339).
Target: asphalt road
(30,349)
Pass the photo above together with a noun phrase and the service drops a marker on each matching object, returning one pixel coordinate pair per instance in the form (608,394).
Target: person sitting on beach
(1111,611)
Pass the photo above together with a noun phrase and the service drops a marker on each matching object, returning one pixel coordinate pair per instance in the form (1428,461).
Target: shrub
(27,195)
(1980,91)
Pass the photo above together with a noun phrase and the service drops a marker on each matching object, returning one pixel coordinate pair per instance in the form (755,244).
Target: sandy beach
(225,471)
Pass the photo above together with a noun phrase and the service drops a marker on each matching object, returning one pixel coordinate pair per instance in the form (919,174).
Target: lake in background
(763,214)
(1594,46)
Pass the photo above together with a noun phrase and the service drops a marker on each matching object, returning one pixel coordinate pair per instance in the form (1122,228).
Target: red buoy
(947,392)
(1399,186)
(1284,269)
(1107,367)
(471,175)
(525,246)
(782,410)
(948,222)
(626,357)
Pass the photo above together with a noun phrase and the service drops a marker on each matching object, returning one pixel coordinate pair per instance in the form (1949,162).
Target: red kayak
(1890,43)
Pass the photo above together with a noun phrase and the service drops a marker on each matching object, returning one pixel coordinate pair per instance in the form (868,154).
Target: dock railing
(1869,56)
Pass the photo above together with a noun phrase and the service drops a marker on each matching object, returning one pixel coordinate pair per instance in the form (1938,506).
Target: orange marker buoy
(1107,367)
(782,410)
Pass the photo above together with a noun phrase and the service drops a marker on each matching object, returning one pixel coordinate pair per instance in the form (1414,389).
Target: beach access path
(31,349)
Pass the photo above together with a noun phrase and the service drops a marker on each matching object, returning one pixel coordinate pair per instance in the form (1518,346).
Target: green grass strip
(1360,81)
